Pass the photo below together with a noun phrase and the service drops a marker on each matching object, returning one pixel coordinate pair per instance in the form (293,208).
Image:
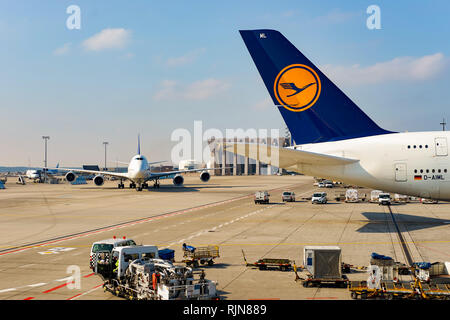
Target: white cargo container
(351,195)
(323,262)
(400,198)
(374,195)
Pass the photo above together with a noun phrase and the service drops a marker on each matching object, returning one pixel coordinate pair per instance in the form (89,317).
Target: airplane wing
(157,175)
(105,173)
(285,157)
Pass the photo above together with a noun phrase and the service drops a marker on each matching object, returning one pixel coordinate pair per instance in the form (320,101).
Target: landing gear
(156,185)
(132,185)
(144,186)
(121,186)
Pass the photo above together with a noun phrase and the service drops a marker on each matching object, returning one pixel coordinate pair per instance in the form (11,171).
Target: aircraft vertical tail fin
(139,144)
(313,107)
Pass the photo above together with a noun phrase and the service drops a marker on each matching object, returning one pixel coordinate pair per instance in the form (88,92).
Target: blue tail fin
(314,109)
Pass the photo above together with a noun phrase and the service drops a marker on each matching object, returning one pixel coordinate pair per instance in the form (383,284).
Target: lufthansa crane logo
(297,87)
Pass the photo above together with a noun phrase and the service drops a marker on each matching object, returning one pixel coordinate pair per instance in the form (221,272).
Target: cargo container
(324,265)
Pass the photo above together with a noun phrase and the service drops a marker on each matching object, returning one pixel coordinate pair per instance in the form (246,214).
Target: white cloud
(62,50)
(201,90)
(198,90)
(398,69)
(185,59)
(108,39)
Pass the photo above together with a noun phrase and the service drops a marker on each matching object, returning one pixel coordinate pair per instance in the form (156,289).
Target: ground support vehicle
(390,290)
(288,196)
(319,197)
(150,278)
(318,282)
(108,245)
(384,199)
(200,255)
(268,263)
(261,197)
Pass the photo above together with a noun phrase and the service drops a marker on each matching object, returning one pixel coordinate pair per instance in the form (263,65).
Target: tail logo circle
(297,87)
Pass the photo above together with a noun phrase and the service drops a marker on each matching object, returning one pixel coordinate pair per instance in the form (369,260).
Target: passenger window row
(428,171)
(419,146)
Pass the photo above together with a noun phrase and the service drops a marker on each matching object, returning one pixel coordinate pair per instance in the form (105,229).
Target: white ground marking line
(87,292)
(8,290)
(28,265)
(37,284)
(64,279)
(218,227)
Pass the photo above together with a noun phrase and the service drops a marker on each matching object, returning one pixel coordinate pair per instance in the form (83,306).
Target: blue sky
(153,66)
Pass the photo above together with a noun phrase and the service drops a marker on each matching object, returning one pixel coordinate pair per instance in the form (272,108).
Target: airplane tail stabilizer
(313,107)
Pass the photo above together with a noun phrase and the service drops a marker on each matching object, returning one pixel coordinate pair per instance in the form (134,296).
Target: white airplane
(38,173)
(334,138)
(33,174)
(138,174)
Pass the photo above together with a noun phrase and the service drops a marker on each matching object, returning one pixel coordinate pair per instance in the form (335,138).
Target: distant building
(161,168)
(189,165)
(91,167)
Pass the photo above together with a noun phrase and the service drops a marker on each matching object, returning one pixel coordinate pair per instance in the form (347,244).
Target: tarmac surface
(46,232)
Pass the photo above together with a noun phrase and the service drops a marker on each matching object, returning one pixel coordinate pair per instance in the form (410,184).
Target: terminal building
(234,164)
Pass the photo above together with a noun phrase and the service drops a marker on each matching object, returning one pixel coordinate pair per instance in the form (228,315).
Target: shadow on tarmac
(378,222)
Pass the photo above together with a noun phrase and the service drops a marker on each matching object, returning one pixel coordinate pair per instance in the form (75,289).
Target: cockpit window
(139,159)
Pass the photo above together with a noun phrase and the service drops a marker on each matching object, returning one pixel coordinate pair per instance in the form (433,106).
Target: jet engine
(204,176)
(99,180)
(70,176)
(178,180)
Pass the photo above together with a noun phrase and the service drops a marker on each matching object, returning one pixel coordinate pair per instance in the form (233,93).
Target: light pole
(105,143)
(45,160)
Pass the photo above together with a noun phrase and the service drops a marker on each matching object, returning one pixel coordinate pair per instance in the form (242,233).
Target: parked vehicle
(108,245)
(319,197)
(136,272)
(328,184)
(288,196)
(428,201)
(261,197)
(384,199)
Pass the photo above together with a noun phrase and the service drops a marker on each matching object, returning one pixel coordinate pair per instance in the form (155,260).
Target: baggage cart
(201,255)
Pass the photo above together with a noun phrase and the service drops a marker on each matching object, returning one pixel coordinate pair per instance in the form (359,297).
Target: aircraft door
(440,144)
(400,172)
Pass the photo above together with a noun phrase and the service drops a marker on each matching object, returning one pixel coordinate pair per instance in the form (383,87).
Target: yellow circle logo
(297,87)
